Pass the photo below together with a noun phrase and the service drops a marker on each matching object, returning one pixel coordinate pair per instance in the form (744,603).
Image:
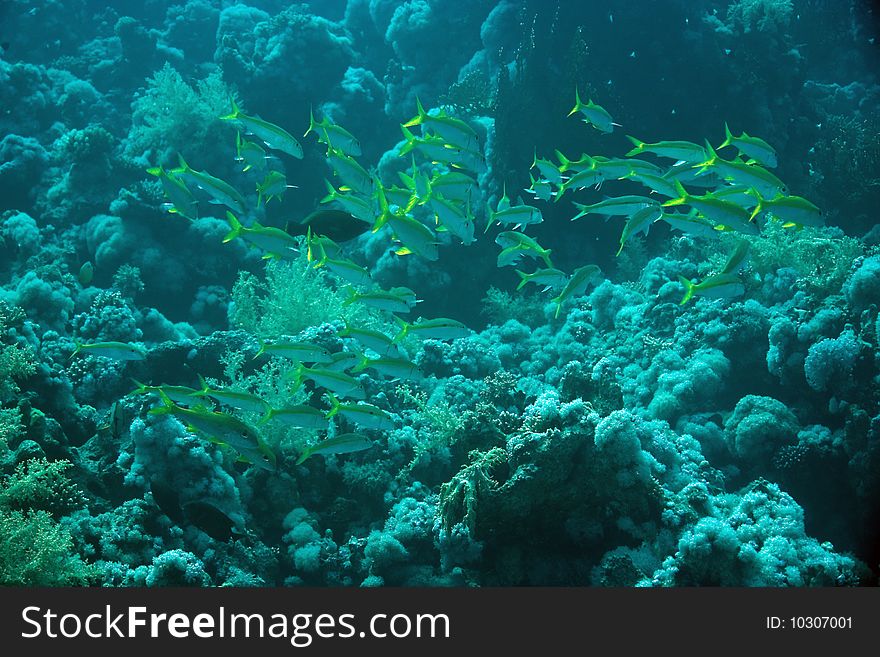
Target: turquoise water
(435,293)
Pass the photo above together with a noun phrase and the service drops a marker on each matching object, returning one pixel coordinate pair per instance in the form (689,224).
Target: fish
(395,368)
(341,361)
(595,115)
(250,153)
(86,273)
(441,328)
(302,416)
(550,278)
(275,137)
(453,130)
(211,520)
(364,415)
(369,339)
(345,443)
(576,285)
(336,225)
(615,206)
(356,206)
(791,210)
(451,216)
(352,174)
(345,269)
(547,170)
(692,223)
(243,401)
(217,427)
(380,299)
(657,184)
(111,350)
(414,236)
(117,421)
(273,186)
(433,147)
(541,188)
(167,499)
(719,211)
(301,352)
(177,394)
(640,221)
(277,243)
(452,185)
(683,151)
(339,382)
(740,173)
(334,136)
(524,244)
(752,147)
(737,259)
(183,201)
(717,286)
(219,190)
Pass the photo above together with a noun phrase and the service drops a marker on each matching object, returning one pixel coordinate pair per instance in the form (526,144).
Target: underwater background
(245,346)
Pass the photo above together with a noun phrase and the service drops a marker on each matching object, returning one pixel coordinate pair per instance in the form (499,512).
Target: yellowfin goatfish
(721,212)
(342,444)
(737,259)
(273,186)
(221,428)
(219,190)
(339,382)
(395,368)
(345,269)
(715,287)
(333,135)
(250,153)
(595,115)
(576,285)
(181,199)
(111,350)
(740,173)
(243,401)
(454,218)
(441,328)
(300,352)
(683,151)
(275,137)
(357,206)
(754,147)
(639,222)
(691,223)
(274,241)
(455,131)
(380,299)
(550,278)
(369,339)
(304,417)
(177,394)
(353,176)
(615,207)
(528,245)
(364,415)
(791,210)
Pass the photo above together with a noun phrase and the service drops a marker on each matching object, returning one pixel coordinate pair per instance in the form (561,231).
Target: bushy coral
(759,427)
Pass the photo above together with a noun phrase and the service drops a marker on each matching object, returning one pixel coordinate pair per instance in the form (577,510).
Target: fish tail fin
(545,256)
(558,301)
(564,162)
(77,348)
(156,171)
(334,405)
(639,146)
(268,415)
(689,288)
(682,195)
(205,386)
(384,209)
(331,192)
(141,388)
(236,227)
(410,141)
(165,408)
(234,113)
(419,118)
(578,105)
(728,137)
(261,351)
(350,296)
(524,278)
(404,329)
(312,125)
